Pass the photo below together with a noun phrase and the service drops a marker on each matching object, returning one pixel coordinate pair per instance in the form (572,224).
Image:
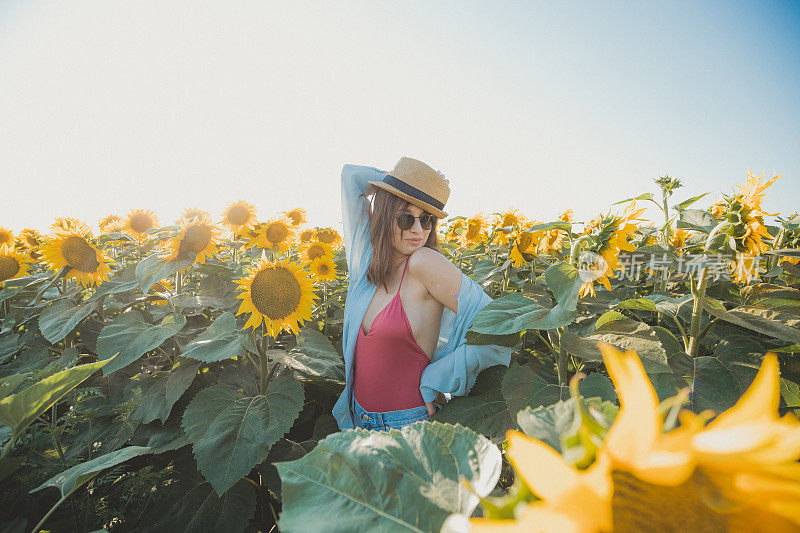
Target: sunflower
(329,236)
(193,214)
(678,236)
(744,213)
(525,242)
(592,225)
(297,216)
(197,235)
(323,268)
(30,238)
(276,234)
(566,216)
(717,209)
(454,231)
(161,290)
(239,216)
(12,264)
(315,250)
(551,240)
(71,248)
(6,236)
(512,218)
(279,294)
(110,224)
(138,221)
(612,238)
(475,230)
(307,235)
(69,224)
(738,473)
(28,242)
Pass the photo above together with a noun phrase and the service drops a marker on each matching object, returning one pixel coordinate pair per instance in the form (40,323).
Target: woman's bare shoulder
(438,274)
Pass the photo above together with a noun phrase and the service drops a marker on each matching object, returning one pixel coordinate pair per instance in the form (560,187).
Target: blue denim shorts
(387,419)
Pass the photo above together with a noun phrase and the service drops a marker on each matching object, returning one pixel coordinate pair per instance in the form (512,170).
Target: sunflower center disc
(79,254)
(525,240)
(8,267)
(322,269)
(196,238)
(326,236)
(141,223)
(238,215)
(275,292)
(277,232)
(315,251)
(640,506)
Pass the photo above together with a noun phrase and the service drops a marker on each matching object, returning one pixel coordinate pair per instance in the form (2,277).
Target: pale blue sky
(107,106)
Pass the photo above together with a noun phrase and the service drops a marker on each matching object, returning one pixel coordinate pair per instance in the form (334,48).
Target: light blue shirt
(455,364)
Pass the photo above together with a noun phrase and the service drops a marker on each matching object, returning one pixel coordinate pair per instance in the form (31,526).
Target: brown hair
(385,205)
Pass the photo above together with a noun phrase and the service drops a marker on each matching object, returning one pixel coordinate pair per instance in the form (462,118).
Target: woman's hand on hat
(447,181)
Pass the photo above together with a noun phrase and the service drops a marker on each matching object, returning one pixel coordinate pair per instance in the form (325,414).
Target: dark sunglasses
(406,221)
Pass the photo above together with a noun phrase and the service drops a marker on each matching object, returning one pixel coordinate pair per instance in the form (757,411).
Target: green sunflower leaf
(401,480)
(230,434)
(222,340)
(18,410)
(131,337)
(60,317)
(76,476)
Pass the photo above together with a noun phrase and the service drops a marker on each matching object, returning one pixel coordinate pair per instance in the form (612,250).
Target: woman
(408,308)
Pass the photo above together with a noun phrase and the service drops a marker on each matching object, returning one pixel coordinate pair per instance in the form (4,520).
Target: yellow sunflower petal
(759,402)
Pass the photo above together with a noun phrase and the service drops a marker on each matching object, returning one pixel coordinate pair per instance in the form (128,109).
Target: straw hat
(418,183)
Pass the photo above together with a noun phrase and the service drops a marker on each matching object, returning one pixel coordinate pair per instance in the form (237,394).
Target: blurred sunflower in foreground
(196,235)
(239,216)
(12,264)
(279,294)
(743,223)
(75,250)
(738,473)
(610,235)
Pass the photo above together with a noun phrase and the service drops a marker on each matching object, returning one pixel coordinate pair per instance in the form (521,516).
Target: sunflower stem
(697,312)
(263,346)
(575,250)
(773,260)
(563,360)
(8,446)
(178,283)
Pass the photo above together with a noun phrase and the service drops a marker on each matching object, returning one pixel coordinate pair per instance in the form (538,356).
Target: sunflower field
(181,377)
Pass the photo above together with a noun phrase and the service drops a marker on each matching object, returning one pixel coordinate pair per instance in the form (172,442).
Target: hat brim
(419,203)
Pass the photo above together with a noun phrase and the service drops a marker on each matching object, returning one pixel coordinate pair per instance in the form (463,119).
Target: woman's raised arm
(355,215)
